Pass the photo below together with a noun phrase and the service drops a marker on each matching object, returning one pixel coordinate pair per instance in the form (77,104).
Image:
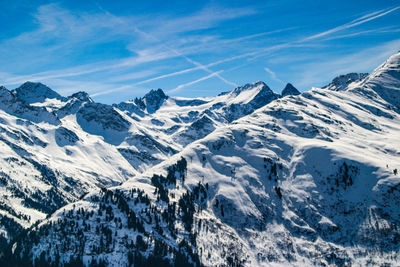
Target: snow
(295,181)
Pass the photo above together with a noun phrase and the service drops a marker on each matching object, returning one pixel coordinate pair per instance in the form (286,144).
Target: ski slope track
(247,178)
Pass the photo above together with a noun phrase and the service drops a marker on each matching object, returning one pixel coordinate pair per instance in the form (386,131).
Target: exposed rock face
(152,101)
(36,92)
(247,98)
(290,90)
(342,82)
(11,103)
(81,96)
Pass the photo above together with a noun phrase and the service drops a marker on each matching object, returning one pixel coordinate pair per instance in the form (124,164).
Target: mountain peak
(32,92)
(385,80)
(290,90)
(245,99)
(248,86)
(159,93)
(82,96)
(152,101)
(391,64)
(341,82)
(5,92)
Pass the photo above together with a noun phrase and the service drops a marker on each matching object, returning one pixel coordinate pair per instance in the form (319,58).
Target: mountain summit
(343,81)
(81,96)
(385,80)
(32,92)
(259,84)
(152,101)
(290,90)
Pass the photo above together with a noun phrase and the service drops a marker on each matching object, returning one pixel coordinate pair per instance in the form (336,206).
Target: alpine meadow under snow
(246,178)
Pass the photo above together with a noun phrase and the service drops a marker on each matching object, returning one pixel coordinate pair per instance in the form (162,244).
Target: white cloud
(109,89)
(60,31)
(208,17)
(129,62)
(306,41)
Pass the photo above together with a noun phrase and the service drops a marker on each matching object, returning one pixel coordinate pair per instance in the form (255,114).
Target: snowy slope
(184,120)
(343,81)
(385,80)
(56,149)
(47,162)
(310,179)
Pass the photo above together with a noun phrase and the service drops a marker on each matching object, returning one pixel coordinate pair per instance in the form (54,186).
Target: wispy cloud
(204,19)
(351,34)
(256,35)
(131,75)
(259,52)
(320,73)
(141,58)
(203,67)
(373,31)
(137,50)
(184,71)
(303,41)
(59,30)
(108,90)
(196,63)
(356,22)
(173,74)
(180,87)
(273,75)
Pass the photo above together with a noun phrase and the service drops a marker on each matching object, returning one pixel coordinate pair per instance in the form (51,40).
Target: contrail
(214,74)
(254,54)
(353,23)
(176,52)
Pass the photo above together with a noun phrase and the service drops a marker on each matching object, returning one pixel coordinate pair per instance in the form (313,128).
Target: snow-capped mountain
(246,178)
(57,149)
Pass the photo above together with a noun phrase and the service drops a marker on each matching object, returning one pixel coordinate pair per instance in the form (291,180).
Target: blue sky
(118,50)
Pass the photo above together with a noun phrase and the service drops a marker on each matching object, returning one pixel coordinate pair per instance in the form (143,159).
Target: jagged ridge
(309,179)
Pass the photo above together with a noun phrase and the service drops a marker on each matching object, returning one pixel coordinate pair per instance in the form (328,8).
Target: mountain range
(246,178)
